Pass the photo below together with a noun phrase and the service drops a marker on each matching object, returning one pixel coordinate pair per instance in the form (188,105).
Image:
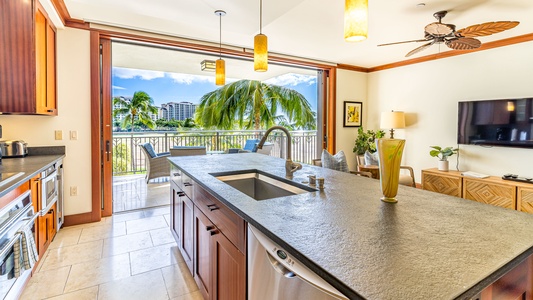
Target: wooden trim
(332,110)
(62,10)
(485,46)
(107,127)
(95,128)
(352,68)
(78,219)
(77,24)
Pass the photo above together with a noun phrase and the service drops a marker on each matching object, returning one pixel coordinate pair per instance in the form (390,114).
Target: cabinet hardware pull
(213,208)
(176,174)
(187,184)
(51,211)
(181,194)
(209,228)
(50,110)
(213,232)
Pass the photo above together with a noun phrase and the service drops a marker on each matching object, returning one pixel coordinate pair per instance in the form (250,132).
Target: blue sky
(172,87)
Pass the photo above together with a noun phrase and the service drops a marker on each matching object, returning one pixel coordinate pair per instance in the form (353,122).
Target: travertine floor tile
(98,271)
(101,232)
(127,243)
(85,294)
(147,285)
(167,218)
(161,236)
(145,224)
(192,296)
(178,280)
(66,237)
(46,284)
(66,256)
(157,211)
(154,258)
(128,216)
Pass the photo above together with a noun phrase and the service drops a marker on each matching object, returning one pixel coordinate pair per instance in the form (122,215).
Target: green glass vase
(390,157)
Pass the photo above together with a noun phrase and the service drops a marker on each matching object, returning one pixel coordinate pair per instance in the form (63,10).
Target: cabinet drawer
(229,223)
(175,176)
(187,185)
(486,191)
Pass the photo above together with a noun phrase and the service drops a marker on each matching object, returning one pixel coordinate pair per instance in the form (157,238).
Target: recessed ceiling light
(421,4)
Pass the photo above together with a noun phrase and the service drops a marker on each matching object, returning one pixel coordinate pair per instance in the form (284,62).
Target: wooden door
(229,269)
(202,246)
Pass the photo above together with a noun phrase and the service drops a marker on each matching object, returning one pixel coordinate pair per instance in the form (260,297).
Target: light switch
(59,134)
(73,134)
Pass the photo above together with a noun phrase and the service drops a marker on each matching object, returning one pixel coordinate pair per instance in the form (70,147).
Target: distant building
(177,110)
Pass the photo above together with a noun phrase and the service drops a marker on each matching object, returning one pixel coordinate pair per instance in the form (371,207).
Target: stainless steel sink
(262,186)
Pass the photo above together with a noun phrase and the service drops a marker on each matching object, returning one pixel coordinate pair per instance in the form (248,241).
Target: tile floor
(131,192)
(127,256)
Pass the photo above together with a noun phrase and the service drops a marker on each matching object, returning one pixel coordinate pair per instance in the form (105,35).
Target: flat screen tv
(506,122)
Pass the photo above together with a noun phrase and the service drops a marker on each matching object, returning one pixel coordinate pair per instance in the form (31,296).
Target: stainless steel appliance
(50,187)
(13,148)
(15,216)
(275,275)
(60,198)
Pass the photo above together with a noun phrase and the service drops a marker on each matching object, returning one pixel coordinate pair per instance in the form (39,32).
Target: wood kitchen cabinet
(47,229)
(525,199)
(28,63)
(515,284)
(449,183)
(490,191)
(211,239)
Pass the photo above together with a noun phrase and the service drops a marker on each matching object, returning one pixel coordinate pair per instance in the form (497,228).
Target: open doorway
(176,80)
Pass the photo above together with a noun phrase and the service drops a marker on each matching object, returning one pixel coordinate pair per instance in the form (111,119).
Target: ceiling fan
(463,39)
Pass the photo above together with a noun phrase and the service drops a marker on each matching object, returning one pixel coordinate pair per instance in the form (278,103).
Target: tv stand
(492,190)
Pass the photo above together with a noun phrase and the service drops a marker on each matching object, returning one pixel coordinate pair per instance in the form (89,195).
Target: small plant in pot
(443,154)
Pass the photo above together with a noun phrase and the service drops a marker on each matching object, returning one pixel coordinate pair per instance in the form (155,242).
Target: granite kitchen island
(426,246)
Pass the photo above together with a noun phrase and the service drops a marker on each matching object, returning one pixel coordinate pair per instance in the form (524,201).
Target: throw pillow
(371,158)
(336,162)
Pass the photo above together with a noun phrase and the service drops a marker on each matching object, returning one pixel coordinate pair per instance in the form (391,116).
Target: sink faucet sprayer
(290,166)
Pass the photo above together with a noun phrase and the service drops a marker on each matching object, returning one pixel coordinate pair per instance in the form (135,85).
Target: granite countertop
(30,166)
(426,246)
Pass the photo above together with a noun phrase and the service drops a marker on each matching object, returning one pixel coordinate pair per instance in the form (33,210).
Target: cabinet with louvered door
(492,190)
(525,199)
(449,183)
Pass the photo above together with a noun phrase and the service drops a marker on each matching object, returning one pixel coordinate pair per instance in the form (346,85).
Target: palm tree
(253,104)
(138,108)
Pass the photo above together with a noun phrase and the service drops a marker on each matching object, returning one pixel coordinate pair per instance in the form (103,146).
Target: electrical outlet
(74,135)
(59,134)
(74,191)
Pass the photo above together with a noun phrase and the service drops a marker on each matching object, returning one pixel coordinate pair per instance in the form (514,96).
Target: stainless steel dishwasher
(274,275)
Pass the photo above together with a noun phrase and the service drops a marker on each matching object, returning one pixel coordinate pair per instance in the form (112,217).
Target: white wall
(351,86)
(428,92)
(73,76)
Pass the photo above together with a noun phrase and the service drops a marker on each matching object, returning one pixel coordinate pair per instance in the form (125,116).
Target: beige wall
(73,76)
(351,86)
(429,92)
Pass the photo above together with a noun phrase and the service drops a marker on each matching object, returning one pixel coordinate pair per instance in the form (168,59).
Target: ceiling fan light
(260,53)
(220,72)
(355,20)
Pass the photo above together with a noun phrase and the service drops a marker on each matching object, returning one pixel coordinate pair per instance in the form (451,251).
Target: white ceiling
(306,28)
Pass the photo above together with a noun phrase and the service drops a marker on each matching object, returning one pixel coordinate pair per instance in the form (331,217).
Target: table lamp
(392,120)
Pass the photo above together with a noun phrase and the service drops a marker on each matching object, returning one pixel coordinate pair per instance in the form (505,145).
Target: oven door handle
(32,218)
(7,248)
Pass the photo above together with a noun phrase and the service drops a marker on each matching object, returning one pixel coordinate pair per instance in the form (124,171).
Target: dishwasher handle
(280,268)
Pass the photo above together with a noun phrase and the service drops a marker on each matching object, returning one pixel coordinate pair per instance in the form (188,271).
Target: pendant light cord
(220,36)
(260,16)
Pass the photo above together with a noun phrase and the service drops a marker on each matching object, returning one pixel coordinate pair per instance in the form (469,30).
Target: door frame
(101,108)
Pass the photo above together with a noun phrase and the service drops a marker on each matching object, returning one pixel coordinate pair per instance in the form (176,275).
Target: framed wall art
(353,114)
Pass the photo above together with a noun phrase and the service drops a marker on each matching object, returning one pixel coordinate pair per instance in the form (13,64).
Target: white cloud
(189,79)
(292,79)
(125,73)
(116,87)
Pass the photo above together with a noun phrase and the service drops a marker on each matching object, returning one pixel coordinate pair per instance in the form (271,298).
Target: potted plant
(366,141)
(443,154)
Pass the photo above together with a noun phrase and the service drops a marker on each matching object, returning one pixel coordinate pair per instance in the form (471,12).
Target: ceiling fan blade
(463,43)
(414,41)
(421,48)
(486,28)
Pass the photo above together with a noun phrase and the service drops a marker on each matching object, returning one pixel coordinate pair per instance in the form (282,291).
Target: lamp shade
(392,119)
(260,53)
(355,20)
(220,75)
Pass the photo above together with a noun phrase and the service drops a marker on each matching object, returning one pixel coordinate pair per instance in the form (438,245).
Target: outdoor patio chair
(157,165)
(251,146)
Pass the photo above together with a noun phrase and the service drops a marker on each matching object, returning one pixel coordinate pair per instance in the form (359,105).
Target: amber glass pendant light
(355,20)
(220,70)
(260,45)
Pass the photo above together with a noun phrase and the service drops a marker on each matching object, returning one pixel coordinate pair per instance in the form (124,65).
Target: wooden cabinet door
(525,199)
(51,83)
(175,215)
(52,223)
(202,254)
(448,183)
(187,231)
(40,60)
(487,191)
(229,265)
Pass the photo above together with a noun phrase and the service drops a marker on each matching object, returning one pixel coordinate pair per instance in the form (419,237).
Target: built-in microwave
(49,187)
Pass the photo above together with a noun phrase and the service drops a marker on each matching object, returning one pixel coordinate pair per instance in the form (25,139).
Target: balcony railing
(128,158)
